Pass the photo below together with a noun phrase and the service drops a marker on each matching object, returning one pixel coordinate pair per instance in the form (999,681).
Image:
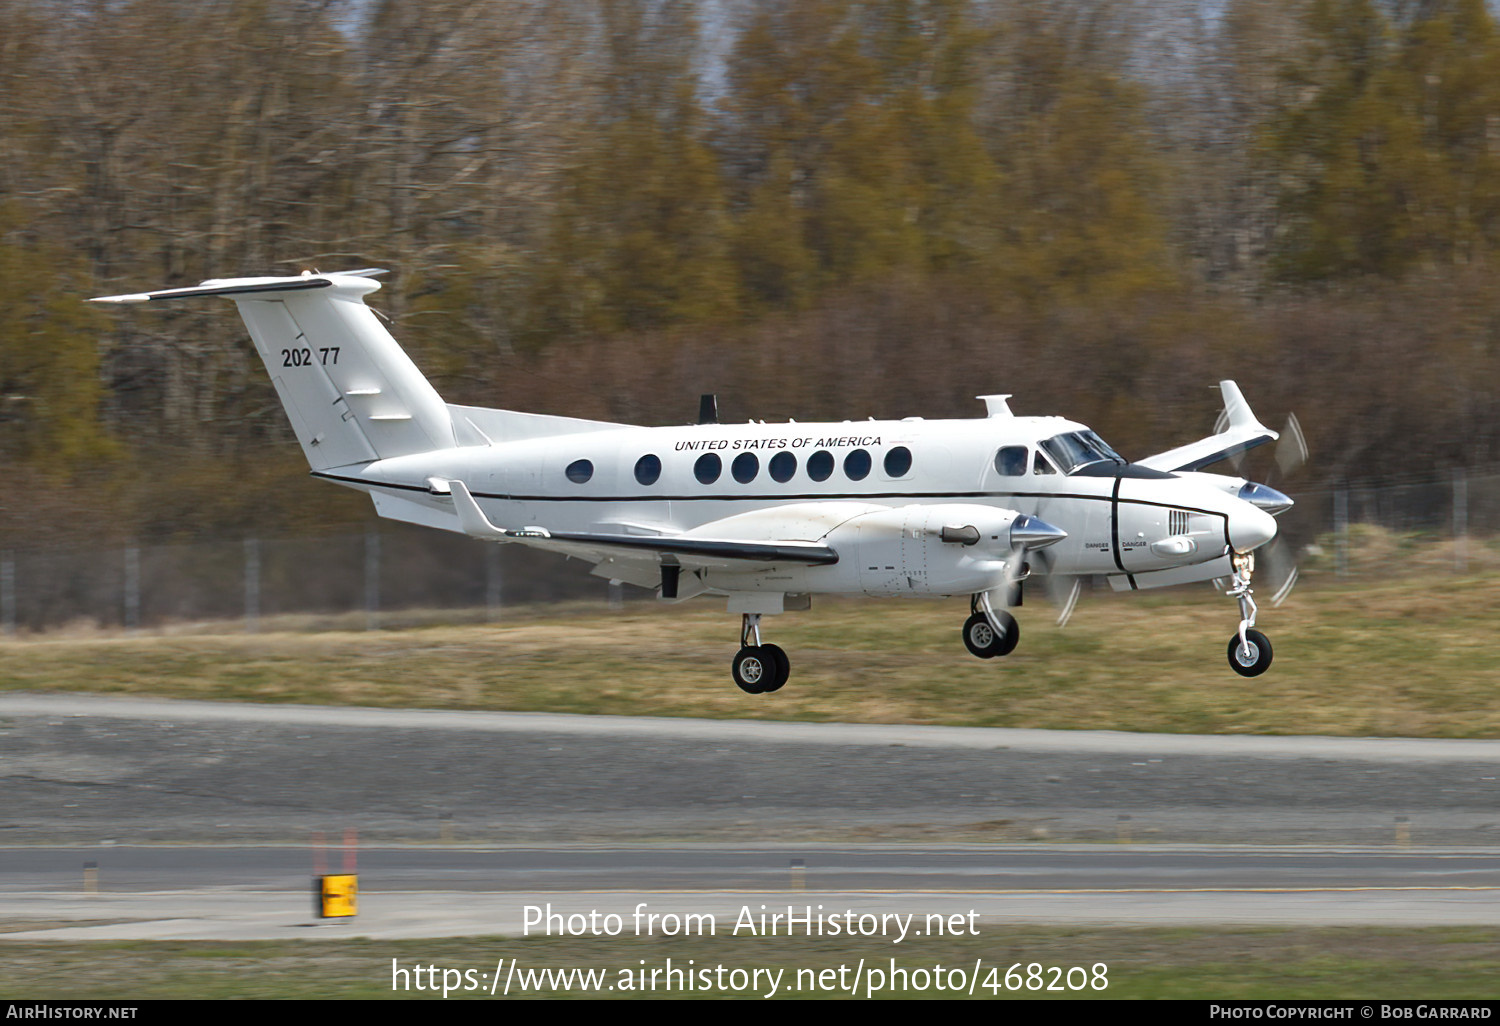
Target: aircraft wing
(689,550)
(1242,432)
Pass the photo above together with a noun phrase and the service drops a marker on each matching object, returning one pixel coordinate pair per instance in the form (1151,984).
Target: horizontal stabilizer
(243,286)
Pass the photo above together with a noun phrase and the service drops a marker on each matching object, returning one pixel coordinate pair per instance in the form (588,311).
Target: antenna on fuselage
(708,409)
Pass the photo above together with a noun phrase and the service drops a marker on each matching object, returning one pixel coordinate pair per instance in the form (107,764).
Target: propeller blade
(1281,569)
(1071,600)
(1291,450)
(1062,589)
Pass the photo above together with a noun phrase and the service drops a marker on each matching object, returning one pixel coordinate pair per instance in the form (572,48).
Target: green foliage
(49,360)
(1082,184)
(854,126)
(1386,137)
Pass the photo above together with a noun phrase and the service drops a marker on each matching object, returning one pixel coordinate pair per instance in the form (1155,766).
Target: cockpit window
(1079,449)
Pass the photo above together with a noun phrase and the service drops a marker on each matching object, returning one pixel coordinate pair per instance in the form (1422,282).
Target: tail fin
(351,393)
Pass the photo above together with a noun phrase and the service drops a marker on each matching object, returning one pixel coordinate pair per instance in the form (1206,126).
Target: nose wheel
(1249,649)
(1249,657)
(758,669)
(990,632)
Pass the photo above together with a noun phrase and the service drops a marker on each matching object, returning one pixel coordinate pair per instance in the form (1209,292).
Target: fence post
(8,594)
(252,585)
(492,581)
(1460,521)
(132,588)
(1341,530)
(372,578)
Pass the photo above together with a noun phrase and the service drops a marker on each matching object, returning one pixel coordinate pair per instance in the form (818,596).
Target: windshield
(1078,449)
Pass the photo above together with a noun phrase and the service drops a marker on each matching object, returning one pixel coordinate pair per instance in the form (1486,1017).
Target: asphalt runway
(714,867)
(208,820)
(87,769)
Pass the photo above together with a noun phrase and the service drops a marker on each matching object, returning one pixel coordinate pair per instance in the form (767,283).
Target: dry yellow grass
(1402,656)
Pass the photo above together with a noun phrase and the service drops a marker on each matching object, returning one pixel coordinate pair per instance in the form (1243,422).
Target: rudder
(350,391)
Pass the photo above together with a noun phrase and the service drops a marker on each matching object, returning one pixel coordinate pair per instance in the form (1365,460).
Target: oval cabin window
(898,461)
(648,469)
(783,465)
(708,468)
(745,467)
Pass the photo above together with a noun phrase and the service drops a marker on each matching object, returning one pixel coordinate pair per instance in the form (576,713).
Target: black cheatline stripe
(235,290)
(776,497)
(1114,526)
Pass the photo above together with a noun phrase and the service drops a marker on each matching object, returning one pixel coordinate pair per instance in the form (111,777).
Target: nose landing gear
(990,632)
(758,669)
(1249,649)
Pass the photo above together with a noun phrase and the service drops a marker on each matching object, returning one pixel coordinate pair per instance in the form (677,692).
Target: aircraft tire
(753,669)
(783,668)
(981,640)
(1260,647)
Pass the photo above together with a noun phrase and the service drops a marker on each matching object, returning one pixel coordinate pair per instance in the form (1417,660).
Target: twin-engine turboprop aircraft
(765,515)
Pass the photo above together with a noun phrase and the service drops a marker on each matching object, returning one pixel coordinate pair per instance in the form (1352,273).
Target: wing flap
(683,550)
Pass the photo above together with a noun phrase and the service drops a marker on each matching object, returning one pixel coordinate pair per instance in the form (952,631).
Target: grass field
(1446,963)
(1409,655)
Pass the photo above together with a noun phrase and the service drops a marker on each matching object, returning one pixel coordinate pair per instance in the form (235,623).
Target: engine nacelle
(947,549)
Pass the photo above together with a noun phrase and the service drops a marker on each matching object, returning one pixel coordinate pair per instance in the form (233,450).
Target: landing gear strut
(1249,649)
(989,632)
(758,669)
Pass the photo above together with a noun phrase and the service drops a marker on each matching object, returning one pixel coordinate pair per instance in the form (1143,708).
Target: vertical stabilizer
(350,391)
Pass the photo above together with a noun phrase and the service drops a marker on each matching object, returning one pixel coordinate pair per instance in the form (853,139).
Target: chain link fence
(397,575)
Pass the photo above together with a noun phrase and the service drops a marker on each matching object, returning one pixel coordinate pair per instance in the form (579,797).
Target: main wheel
(1253,663)
(783,667)
(981,640)
(753,669)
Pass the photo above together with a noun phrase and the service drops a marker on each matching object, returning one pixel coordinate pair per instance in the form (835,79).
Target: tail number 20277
(304,357)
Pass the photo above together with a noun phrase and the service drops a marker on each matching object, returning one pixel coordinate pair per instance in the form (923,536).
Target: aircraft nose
(1250,527)
(1268,499)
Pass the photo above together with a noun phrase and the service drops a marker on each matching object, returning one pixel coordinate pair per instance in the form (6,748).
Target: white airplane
(765,515)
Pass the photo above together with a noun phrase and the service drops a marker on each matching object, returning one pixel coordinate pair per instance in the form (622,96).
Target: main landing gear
(758,669)
(990,632)
(1249,649)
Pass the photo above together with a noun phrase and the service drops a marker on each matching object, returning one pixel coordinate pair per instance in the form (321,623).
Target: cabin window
(1011,461)
(745,467)
(898,461)
(708,468)
(579,471)
(820,465)
(648,469)
(857,465)
(782,466)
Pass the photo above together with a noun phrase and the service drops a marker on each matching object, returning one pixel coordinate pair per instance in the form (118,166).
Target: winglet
(1241,431)
(1238,410)
(470,517)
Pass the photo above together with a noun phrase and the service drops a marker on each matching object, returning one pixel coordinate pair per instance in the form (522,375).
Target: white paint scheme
(367,418)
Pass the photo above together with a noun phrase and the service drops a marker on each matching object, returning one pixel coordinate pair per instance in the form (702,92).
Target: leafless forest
(815,208)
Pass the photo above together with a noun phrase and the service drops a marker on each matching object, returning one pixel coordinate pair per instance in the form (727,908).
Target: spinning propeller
(1278,561)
